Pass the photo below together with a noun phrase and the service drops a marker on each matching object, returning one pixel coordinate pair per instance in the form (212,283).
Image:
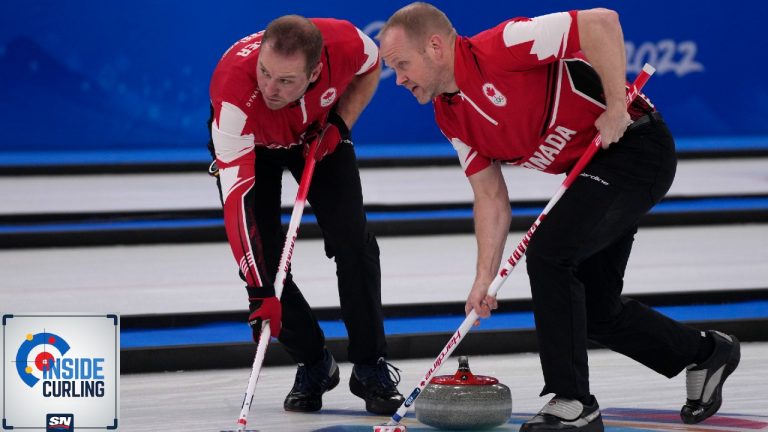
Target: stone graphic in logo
(43,360)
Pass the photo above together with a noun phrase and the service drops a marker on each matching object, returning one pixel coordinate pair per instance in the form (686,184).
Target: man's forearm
(357,95)
(492,217)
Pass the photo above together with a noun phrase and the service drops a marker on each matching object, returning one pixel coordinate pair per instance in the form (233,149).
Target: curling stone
(464,401)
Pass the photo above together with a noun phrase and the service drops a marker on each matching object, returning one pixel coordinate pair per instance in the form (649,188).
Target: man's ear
(436,45)
(315,72)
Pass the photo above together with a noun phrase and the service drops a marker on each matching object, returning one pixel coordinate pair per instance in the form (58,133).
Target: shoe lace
(387,374)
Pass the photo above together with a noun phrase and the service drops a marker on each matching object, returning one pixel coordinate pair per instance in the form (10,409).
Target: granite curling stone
(464,401)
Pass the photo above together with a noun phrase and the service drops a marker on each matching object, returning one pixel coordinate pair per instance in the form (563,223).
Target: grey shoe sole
(595,425)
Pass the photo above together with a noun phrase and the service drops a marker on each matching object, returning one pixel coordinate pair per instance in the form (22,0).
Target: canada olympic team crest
(494,95)
(60,370)
(328,97)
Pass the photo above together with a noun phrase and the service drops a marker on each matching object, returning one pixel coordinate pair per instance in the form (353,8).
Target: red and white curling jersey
(526,96)
(242,121)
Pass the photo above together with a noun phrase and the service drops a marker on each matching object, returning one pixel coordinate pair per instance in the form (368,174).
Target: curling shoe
(377,384)
(704,382)
(310,384)
(570,415)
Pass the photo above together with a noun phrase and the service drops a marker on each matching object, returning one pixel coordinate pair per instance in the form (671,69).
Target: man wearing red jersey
(271,93)
(534,92)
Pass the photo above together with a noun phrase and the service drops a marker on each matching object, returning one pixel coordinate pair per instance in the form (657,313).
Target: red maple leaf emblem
(490,91)
(328,95)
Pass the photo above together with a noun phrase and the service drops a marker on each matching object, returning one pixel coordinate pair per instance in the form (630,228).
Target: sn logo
(60,423)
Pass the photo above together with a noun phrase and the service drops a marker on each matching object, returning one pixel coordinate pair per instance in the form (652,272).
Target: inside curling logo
(62,377)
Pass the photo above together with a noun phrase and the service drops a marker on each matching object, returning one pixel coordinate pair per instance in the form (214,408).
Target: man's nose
(400,79)
(271,88)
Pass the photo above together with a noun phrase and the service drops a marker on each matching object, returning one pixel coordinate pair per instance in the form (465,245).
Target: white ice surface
(183,191)
(210,401)
(429,269)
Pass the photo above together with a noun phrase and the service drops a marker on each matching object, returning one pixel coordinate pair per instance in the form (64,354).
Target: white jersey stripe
(249,252)
(556,104)
(477,108)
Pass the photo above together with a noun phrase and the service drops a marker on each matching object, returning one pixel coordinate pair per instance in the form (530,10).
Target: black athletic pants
(576,262)
(336,199)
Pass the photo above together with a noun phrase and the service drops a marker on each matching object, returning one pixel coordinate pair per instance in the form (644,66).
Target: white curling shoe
(560,414)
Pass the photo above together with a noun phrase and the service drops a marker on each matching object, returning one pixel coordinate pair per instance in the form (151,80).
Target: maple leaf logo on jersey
(328,97)
(494,95)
